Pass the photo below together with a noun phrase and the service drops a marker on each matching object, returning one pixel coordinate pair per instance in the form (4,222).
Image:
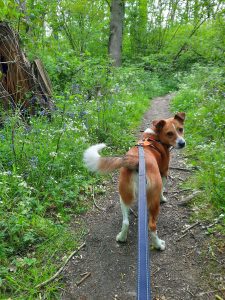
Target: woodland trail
(176,273)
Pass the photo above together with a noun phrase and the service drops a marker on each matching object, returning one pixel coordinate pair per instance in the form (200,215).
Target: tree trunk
(143,24)
(116,31)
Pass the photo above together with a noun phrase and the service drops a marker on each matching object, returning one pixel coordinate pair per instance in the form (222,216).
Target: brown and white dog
(157,142)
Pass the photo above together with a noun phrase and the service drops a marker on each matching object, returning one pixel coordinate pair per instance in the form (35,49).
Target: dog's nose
(181,143)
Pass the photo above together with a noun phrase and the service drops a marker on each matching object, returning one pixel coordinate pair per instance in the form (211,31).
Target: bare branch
(61,269)
(8,62)
(186,200)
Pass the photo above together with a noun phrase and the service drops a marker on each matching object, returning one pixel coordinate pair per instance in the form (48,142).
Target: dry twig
(133,212)
(185,232)
(190,227)
(8,62)
(61,269)
(186,200)
(95,204)
(210,292)
(181,169)
(181,237)
(215,222)
(156,271)
(83,274)
(84,278)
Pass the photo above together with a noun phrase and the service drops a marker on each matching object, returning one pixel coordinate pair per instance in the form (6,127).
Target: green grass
(39,264)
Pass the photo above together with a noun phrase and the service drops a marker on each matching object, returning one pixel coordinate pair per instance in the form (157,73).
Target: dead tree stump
(24,86)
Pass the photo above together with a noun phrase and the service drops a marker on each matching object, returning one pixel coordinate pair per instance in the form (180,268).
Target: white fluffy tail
(94,162)
(92,157)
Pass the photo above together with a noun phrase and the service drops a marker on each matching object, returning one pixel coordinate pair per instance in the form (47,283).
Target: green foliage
(8,10)
(27,269)
(202,95)
(42,177)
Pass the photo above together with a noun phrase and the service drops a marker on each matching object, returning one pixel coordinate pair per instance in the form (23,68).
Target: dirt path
(176,273)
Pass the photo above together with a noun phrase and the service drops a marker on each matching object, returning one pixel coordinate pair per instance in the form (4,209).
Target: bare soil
(176,273)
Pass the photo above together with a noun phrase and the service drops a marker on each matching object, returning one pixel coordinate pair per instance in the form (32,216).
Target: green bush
(202,96)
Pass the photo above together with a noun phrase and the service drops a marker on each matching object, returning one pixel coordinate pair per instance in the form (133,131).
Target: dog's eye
(180,130)
(170,134)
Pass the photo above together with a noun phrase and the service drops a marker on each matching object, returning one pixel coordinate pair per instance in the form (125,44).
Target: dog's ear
(158,124)
(180,116)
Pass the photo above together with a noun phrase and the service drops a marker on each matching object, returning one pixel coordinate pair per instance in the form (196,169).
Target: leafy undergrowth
(42,177)
(202,97)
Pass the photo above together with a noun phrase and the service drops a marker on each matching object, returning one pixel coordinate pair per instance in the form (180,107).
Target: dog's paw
(160,245)
(163,199)
(121,237)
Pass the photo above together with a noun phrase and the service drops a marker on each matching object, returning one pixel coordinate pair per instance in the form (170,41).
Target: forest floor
(181,272)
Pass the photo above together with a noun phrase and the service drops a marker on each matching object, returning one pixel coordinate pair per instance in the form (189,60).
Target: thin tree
(117,9)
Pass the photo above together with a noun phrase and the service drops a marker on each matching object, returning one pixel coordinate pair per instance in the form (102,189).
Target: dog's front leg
(122,236)
(162,197)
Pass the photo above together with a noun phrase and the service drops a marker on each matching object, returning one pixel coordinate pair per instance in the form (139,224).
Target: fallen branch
(186,190)
(210,292)
(83,274)
(181,169)
(185,232)
(181,237)
(181,179)
(156,271)
(186,200)
(190,227)
(84,278)
(95,204)
(216,221)
(8,62)
(61,269)
(190,292)
(170,177)
(133,212)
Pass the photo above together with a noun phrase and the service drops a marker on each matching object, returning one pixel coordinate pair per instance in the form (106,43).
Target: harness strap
(155,144)
(143,284)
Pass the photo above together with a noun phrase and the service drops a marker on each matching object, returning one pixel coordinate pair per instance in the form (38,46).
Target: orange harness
(151,143)
(161,148)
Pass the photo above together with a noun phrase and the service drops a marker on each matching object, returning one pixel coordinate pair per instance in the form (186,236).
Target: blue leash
(143,284)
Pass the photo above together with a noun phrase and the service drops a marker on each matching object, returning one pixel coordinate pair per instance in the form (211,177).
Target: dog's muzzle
(180,143)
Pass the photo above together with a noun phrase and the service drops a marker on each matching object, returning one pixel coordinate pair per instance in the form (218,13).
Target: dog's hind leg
(122,236)
(153,195)
(156,241)
(162,197)
(127,188)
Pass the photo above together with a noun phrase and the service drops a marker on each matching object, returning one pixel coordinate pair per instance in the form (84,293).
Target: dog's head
(170,131)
